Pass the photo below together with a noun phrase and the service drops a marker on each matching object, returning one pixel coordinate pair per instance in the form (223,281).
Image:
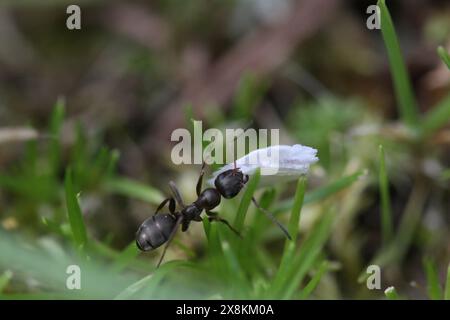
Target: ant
(161,228)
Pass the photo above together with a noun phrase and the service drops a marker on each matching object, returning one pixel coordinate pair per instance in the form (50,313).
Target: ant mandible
(161,228)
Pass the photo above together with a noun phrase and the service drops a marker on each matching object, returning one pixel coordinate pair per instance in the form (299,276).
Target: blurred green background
(85,123)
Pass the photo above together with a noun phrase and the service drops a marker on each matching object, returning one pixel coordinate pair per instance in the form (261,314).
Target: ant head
(229,183)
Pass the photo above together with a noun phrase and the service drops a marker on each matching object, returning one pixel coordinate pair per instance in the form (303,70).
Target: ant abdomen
(155,231)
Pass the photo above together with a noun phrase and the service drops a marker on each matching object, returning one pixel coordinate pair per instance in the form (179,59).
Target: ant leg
(172,206)
(271,217)
(176,194)
(163,203)
(185,225)
(213,216)
(200,179)
(171,236)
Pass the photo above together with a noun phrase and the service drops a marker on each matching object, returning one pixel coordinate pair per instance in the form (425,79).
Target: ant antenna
(172,235)
(272,218)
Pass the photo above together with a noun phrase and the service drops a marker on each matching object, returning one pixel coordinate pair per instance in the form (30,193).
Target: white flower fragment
(276,163)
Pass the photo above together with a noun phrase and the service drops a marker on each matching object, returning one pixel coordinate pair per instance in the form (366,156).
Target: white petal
(277,163)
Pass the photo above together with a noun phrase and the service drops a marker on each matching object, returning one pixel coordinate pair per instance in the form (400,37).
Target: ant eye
(278,163)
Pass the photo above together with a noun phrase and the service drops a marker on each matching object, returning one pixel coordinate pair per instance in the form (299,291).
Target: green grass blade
(206,227)
(284,269)
(131,290)
(312,284)
(5,277)
(56,122)
(323,192)
(386,212)
(30,157)
(23,257)
(79,154)
(100,249)
(245,202)
(41,296)
(238,284)
(410,220)
(433,287)
(57,228)
(30,187)
(295,204)
(297,208)
(112,163)
(445,57)
(309,252)
(74,212)
(232,260)
(438,117)
(447,285)
(253,237)
(289,248)
(293,266)
(402,84)
(148,283)
(147,286)
(134,189)
(215,254)
(395,252)
(125,257)
(391,293)
(259,226)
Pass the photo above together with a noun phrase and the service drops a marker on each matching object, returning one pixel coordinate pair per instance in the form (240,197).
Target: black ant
(160,229)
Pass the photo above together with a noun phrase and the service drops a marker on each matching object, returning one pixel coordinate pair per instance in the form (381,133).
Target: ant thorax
(191,212)
(208,199)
